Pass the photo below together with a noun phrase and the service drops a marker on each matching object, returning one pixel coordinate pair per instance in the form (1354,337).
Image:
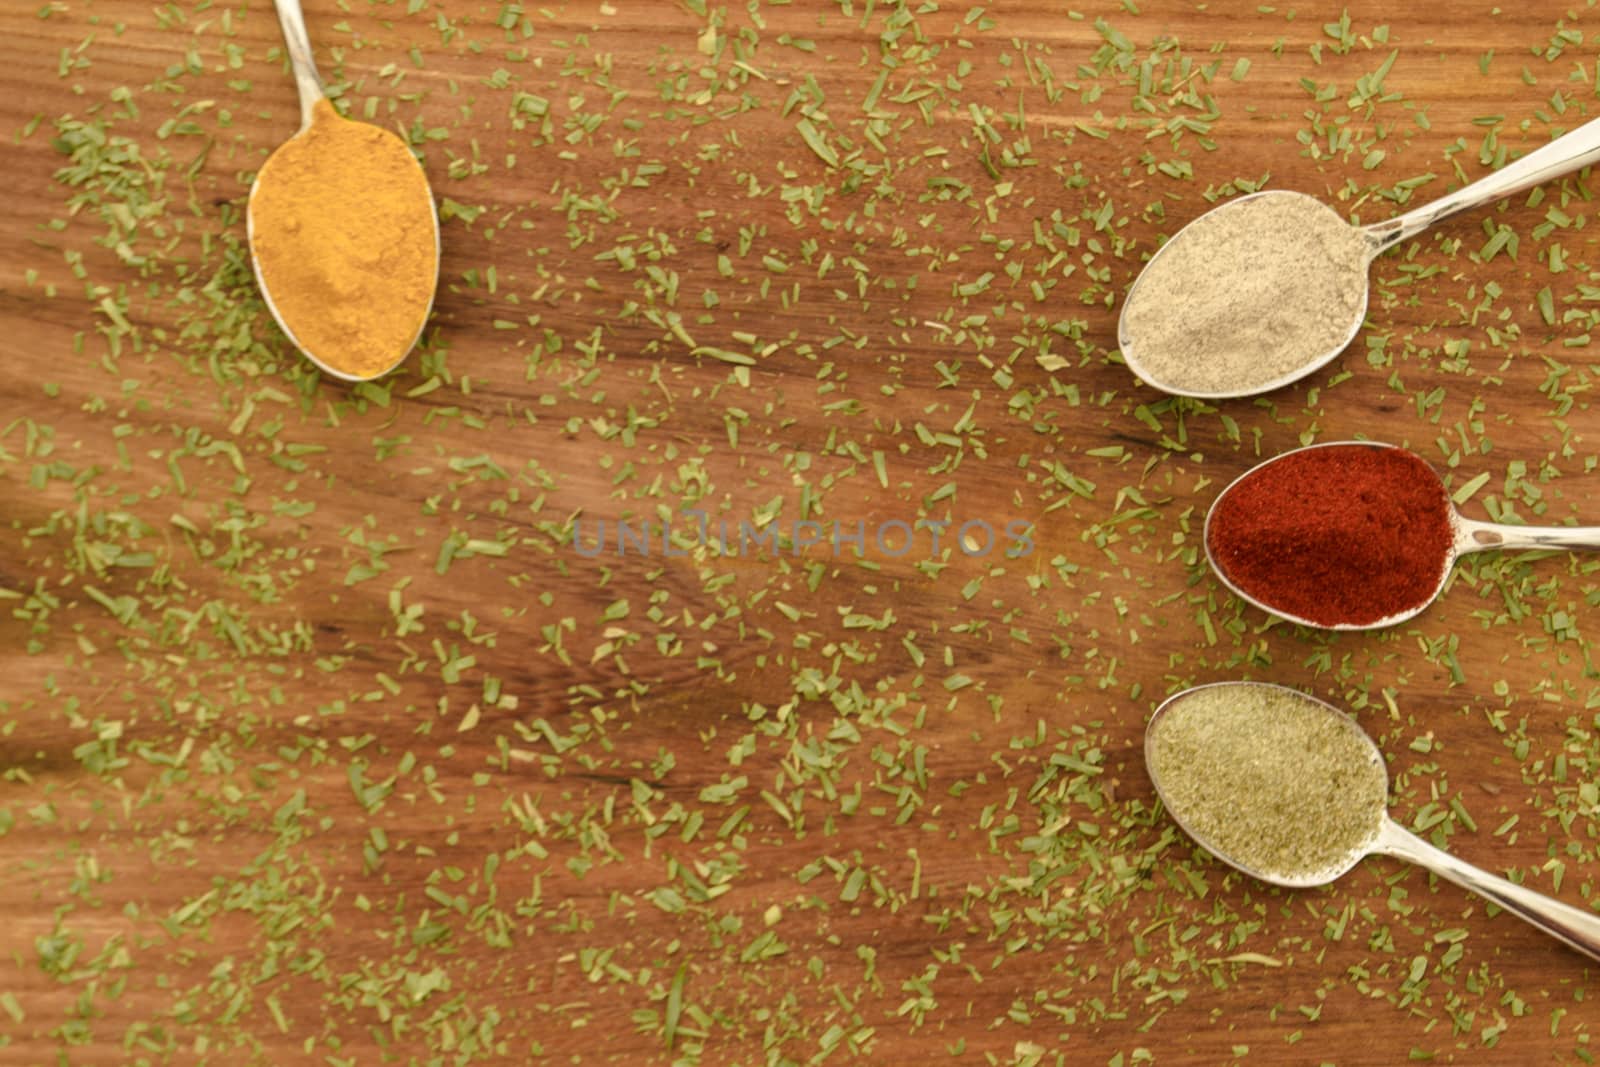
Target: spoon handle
(1577,928)
(1569,152)
(298,41)
(1475,536)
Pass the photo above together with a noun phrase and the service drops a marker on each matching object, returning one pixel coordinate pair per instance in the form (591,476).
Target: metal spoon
(309,83)
(1576,928)
(1469,535)
(1565,154)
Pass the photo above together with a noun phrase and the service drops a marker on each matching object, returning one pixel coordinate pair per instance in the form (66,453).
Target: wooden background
(323,742)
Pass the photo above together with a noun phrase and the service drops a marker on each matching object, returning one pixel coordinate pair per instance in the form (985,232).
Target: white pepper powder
(1246,295)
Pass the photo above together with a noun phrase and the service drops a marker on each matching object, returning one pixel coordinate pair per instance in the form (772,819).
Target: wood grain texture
(804,805)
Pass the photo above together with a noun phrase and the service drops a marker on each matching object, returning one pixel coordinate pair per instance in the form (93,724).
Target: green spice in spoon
(1291,791)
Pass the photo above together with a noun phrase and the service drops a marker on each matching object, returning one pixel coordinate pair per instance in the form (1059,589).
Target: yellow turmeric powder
(344,236)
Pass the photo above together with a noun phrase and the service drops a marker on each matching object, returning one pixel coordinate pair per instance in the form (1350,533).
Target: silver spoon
(309,83)
(1565,154)
(1467,535)
(1573,926)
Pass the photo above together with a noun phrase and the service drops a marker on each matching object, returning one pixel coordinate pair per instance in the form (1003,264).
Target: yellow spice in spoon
(344,237)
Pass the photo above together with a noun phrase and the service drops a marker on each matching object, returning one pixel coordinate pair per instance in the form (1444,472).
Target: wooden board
(324,741)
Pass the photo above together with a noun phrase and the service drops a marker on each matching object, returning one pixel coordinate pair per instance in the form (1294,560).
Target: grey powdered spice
(1268,778)
(1246,296)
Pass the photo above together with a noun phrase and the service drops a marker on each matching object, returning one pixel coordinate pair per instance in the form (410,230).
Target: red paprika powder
(1345,534)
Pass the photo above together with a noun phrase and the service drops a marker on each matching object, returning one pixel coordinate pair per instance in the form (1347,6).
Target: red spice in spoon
(1346,534)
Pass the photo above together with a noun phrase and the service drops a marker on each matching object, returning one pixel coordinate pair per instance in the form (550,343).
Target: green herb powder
(1268,779)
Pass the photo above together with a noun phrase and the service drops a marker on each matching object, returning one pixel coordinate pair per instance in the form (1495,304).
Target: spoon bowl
(1576,928)
(1286,796)
(1258,308)
(1570,152)
(1464,536)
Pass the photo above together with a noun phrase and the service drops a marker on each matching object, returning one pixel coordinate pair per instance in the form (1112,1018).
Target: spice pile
(1269,779)
(1247,297)
(1335,535)
(343,234)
